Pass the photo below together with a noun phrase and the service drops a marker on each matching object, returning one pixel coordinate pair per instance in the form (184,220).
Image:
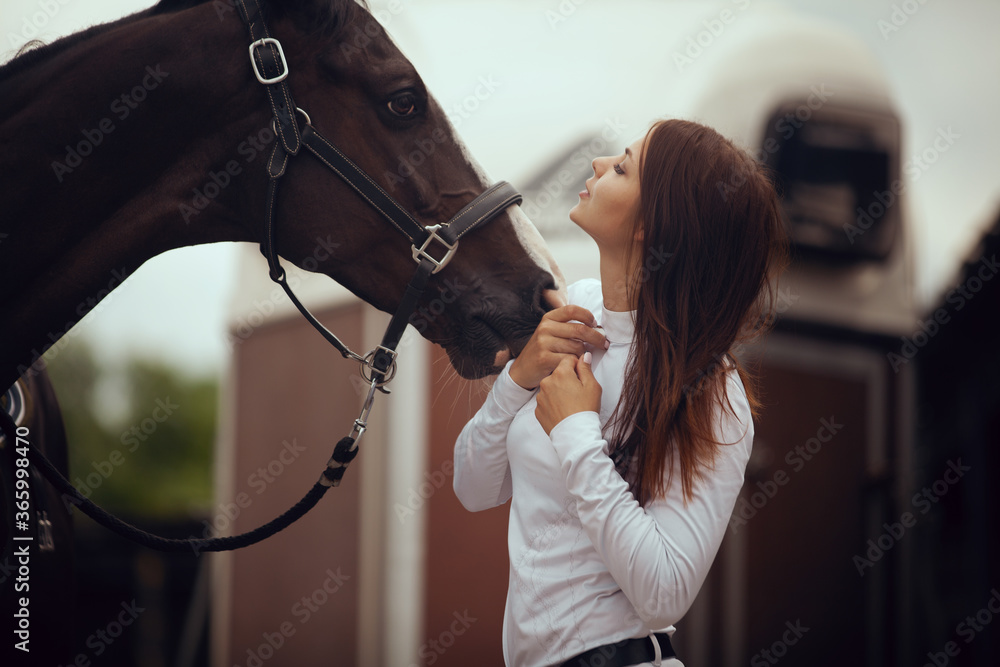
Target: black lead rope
(379,366)
(344,452)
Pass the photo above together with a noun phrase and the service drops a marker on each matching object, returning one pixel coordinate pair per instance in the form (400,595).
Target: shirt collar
(619,326)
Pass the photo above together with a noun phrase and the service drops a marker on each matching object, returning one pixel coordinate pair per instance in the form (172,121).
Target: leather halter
(271,70)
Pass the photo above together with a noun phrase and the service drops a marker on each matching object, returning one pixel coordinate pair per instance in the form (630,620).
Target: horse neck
(103,140)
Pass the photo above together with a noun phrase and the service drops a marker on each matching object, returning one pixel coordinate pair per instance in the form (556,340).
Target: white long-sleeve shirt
(588,565)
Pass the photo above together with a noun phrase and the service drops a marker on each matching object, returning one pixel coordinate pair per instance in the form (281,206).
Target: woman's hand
(556,338)
(571,388)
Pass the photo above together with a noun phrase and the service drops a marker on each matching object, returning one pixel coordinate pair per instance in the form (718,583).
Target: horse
(150,133)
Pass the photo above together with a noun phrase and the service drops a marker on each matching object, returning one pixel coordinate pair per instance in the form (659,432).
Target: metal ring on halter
(368,371)
(274,128)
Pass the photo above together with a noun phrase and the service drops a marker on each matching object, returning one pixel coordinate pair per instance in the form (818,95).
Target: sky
(545,72)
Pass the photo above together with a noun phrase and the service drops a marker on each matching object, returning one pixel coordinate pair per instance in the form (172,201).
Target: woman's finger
(559,345)
(576,331)
(569,313)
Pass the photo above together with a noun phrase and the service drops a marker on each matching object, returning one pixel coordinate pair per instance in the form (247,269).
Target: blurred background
(868,515)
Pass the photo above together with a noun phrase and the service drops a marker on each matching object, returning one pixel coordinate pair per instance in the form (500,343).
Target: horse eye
(403,105)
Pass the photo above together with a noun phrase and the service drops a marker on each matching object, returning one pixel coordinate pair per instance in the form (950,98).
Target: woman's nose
(600,165)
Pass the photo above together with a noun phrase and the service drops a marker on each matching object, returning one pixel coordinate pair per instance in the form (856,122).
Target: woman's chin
(574,217)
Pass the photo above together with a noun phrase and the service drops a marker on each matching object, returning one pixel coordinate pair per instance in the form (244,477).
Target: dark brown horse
(152,133)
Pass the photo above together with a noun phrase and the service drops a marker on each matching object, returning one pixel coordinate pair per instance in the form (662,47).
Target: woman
(622,431)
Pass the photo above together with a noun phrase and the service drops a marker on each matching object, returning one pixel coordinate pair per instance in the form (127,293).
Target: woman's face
(608,205)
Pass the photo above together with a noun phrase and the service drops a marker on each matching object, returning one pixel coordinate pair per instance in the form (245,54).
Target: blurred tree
(141,436)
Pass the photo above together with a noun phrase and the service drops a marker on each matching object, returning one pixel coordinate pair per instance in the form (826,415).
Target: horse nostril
(553,299)
(549,295)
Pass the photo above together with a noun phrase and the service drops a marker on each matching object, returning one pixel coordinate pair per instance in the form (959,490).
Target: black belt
(626,652)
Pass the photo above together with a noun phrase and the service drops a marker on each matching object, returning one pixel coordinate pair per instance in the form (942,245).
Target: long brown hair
(712,212)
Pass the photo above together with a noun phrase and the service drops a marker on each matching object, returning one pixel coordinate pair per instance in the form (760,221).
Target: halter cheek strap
(271,69)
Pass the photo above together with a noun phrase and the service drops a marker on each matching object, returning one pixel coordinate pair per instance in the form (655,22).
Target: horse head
(360,92)
(184,161)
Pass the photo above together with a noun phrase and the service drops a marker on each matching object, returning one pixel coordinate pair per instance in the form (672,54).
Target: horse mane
(327,17)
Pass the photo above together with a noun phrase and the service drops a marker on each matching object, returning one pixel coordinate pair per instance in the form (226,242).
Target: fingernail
(587,357)
(607,343)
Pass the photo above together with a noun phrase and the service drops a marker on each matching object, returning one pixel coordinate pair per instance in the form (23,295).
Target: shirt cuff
(576,434)
(509,395)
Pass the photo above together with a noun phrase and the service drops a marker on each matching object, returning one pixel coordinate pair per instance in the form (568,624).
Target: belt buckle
(421,252)
(281,56)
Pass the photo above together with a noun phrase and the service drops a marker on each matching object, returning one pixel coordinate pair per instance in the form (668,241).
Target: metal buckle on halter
(421,252)
(368,370)
(281,55)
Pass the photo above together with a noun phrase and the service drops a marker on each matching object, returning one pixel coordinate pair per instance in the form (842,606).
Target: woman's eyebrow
(628,151)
